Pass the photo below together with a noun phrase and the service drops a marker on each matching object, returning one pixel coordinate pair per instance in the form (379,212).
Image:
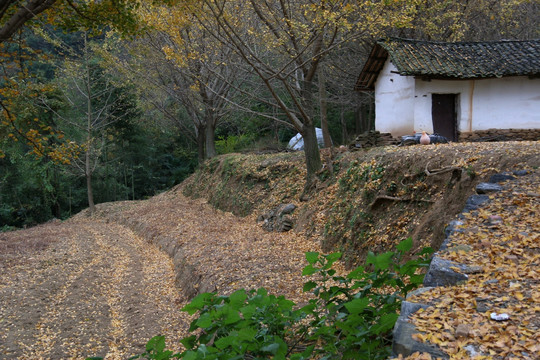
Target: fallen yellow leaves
(101,290)
(462,316)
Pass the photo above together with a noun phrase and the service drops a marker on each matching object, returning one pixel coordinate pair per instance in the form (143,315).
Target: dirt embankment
(370,200)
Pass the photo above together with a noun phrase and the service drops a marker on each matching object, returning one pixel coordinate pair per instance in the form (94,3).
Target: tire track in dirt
(60,308)
(29,299)
(101,291)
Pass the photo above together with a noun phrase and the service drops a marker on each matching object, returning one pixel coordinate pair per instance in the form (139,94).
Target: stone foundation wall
(501,135)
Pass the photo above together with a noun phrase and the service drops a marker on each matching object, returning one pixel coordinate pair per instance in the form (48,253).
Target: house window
(444,115)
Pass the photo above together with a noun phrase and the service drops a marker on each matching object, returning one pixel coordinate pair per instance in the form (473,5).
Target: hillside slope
(371,199)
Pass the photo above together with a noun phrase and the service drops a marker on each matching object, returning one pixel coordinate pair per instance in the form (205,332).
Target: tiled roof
(458,60)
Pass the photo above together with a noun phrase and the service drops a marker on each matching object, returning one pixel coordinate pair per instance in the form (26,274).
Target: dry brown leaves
(227,251)
(500,244)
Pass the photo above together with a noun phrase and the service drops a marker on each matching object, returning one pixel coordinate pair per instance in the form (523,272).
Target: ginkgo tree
(284,43)
(20,119)
(479,20)
(73,15)
(188,68)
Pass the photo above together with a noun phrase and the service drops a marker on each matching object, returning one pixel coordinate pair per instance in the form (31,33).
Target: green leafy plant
(253,322)
(155,349)
(354,314)
(471,172)
(349,317)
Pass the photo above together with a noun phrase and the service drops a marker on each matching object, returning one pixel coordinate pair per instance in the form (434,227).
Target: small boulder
(441,273)
(474,202)
(463,331)
(521,172)
(482,305)
(486,188)
(405,344)
(497,178)
(452,227)
(278,219)
(495,219)
(473,351)
(286,209)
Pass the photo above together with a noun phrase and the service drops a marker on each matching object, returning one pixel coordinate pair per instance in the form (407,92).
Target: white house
(453,89)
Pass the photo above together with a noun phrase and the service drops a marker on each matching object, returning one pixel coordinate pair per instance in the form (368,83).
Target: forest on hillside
(118,100)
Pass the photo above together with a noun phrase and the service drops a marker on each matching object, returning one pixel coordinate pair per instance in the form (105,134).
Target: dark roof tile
(464,60)
(457,60)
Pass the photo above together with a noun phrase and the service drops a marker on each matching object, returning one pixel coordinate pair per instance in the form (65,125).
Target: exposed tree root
(434,172)
(393,198)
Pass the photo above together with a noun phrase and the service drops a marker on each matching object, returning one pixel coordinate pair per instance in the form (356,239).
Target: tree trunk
(324,110)
(88,174)
(23,14)
(56,210)
(312,154)
(358,120)
(87,160)
(344,134)
(201,143)
(328,157)
(210,137)
(311,145)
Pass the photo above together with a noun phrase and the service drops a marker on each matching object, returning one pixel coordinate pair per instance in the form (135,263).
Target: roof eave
(373,66)
(475,77)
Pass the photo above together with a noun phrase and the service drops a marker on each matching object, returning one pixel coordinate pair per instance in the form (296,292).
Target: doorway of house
(444,115)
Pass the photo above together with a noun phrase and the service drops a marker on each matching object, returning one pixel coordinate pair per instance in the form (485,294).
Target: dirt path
(91,286)
(98,290)
(215,250)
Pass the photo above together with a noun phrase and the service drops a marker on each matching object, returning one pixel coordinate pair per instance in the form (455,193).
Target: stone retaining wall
(443,273)
(501,135)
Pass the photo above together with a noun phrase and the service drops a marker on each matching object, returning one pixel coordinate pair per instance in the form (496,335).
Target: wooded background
(118,100)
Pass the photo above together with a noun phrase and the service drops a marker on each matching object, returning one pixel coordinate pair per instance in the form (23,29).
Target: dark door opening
(444,115)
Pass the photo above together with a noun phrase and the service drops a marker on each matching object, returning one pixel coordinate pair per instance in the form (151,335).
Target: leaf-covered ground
(500,243)
(89,289)
(220,251)
(99,285)
(94,287)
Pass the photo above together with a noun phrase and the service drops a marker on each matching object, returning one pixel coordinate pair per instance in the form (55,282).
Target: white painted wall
(394,102)
(505,103)
(403,104)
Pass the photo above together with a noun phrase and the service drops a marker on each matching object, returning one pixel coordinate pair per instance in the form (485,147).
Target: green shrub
(232,143)
(354,315)
(348,317)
